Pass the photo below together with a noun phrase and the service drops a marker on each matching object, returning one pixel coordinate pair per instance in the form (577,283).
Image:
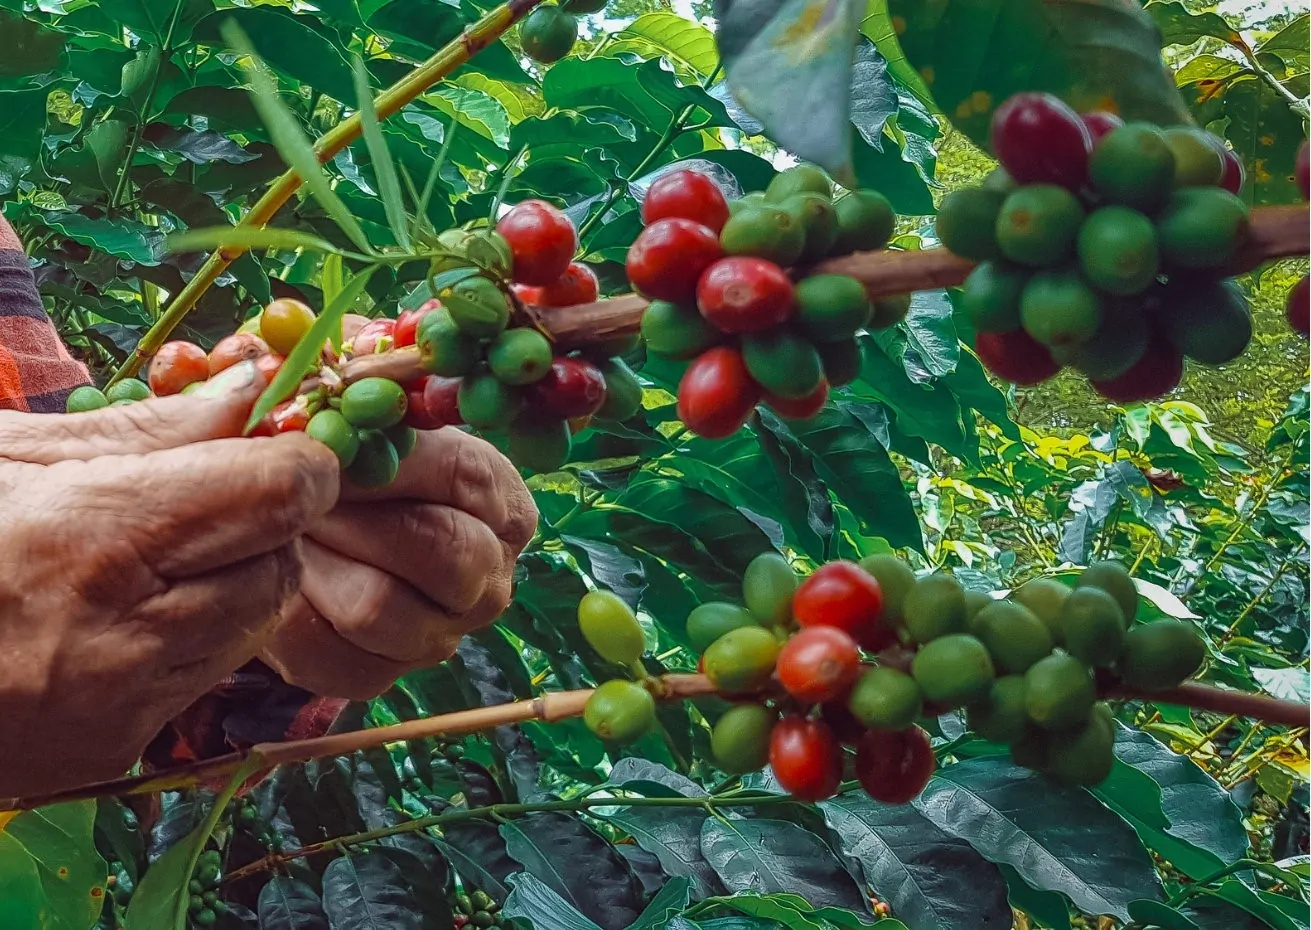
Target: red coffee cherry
(1015,356)
(239,347)
(574,387)
(668,257)
(1154,375)
(745,295)
(840,594)
(407,323)
(1099,123)
(1302,170)
(894,767)
(717,394)
(1040,140)
(541,239)
(578,285)
(799,408)
(687,195)
(372,333)
(269,365)
(1298,310)
(818,664)
(176,365)
(806,758)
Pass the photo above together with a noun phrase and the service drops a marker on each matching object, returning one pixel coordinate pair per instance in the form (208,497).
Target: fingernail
(229,381)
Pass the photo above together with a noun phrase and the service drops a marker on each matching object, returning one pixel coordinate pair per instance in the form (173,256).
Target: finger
(220,618)
(147,426)
(449,466)
(447,554)
(372,609)
(190,510)
(307,652)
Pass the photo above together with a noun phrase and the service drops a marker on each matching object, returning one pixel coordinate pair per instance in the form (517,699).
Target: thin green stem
(1260,595)
(1200,886)
(498,812)
(143,116)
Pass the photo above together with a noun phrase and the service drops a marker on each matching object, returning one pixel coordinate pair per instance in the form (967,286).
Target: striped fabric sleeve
(254,705)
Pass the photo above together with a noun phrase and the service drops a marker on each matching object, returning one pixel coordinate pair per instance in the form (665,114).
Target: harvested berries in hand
(283,323)
(239,347)
(176,365)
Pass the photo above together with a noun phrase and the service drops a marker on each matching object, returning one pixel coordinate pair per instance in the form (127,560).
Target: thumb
(217,410)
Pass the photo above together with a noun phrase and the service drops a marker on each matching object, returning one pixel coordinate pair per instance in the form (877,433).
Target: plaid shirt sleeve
(253,705)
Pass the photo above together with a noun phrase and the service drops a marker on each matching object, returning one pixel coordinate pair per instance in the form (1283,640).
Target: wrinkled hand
(393,578)
(143,556)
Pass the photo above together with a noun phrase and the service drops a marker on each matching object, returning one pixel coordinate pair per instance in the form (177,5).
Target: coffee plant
(821,627)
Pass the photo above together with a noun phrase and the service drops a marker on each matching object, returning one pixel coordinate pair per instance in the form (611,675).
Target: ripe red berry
(1154,375)
(1298,310)
(441,398)
(894,767)
(1302,171)
(371,334)
(806,758)
(407,323)
(840,594)
(286,417)
(269,365)
(717,393)
(846,728)
(1099,123)
(745,295)
(1015,357)
(418,414)
(176,365)
(1040,140)
(578,285)
(574,387)
(1234,175)
(239,347)
(799,408)
(667,259)
(688,195)
(818,664)
(542,241)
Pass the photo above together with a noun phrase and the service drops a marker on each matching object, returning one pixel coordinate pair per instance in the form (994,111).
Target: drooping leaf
(673,835)
(366,891)
(930,878)
(287,903)
(808,113)
(1096,54)
(1057,839)
(1179,811)
(771,856)
(533,900)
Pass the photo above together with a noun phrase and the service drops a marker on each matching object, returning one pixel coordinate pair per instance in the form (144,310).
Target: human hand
(393,578)
(144,552)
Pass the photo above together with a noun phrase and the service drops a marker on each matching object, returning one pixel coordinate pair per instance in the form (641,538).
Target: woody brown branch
(560,705)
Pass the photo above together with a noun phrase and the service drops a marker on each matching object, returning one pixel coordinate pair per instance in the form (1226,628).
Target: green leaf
(1272,910)
(1095,54)
(160,900)
(1177,809)
(22,117)
(247,237)
(117,236)
(688,45)
(672,899)
(295,45)
(389,186)
(534,901)
(51,877)
(1156,914)
(27,47)
(1180,27)
(578,864)
(292,143)
(152,19)
(287,903)
(1266,133)
(366,891)
(326,327)
(1057,839)
(772,856)
(1047,907)
(929,877)
(673,835)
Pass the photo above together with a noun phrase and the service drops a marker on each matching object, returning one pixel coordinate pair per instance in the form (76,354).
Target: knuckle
(297,476)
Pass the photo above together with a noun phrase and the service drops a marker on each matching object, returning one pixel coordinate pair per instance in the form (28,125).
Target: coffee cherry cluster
(1101,246)
(476,909)
(204,906)
(722,298)
(507,379)
(856,653)
(549,32)
(1298,311)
